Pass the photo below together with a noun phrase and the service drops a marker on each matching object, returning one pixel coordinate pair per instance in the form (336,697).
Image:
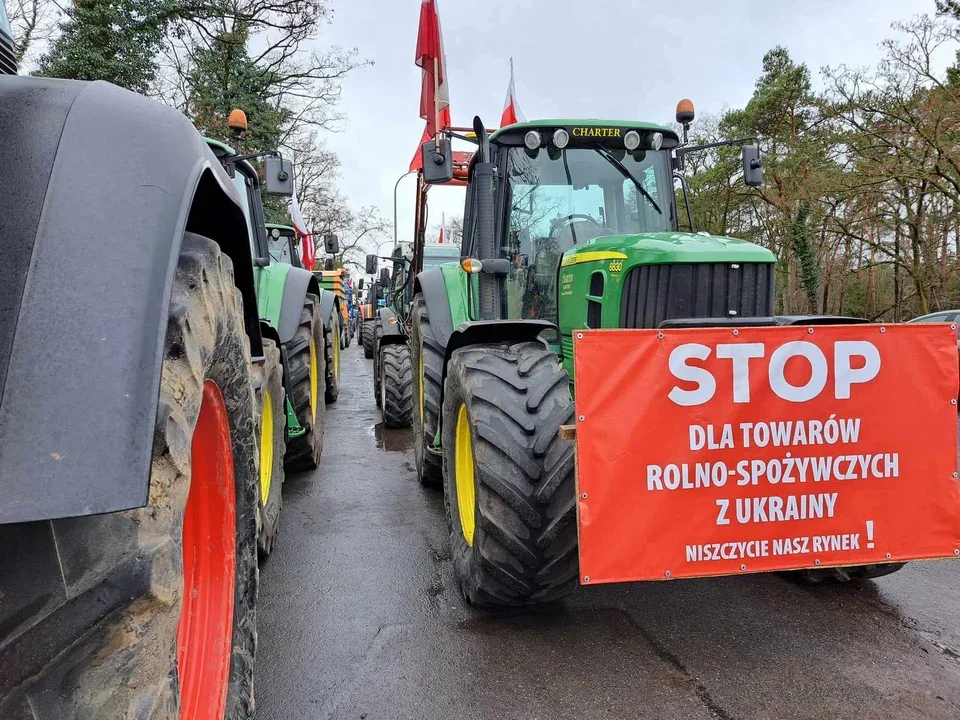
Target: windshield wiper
(606,155)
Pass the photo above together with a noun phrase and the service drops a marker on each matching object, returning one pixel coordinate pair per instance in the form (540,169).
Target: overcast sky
(613,59)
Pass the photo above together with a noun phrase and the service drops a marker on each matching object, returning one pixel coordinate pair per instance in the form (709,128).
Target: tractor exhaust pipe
(484,182)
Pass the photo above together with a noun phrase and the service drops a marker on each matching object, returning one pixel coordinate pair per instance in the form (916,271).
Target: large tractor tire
(376,363)
(396,385)
(427,356)
(306,353)
(332,339)
(508,477)
(271,398)
(366,338)
(158,619)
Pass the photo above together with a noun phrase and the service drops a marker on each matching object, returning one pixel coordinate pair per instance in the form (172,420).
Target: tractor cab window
(561,198)
(4,23)
(280,248)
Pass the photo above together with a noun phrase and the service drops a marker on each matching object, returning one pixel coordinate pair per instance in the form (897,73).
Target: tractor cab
(282,244)
(567,184)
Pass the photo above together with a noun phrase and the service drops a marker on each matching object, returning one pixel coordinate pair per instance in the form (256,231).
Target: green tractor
(295,378)
(568,224)
(282,243)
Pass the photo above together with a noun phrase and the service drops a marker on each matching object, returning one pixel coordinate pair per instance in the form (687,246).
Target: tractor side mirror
(752,167)
(331,244)
(384,276)
(371,267)
(278,177)
(360,284)
(437,162)
(328,265)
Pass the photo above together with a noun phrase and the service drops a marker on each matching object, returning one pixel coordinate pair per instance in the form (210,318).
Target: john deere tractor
(568,225)
(282,242)
(132,439)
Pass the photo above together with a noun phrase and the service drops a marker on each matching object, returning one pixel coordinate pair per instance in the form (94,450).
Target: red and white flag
(296,219)
(434,91)
(307,252)
(511,108)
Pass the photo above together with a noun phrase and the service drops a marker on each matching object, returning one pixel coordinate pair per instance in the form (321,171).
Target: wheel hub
(463,466)
(205,632)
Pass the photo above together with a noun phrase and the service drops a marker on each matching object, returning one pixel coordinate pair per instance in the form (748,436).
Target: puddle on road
(393,439)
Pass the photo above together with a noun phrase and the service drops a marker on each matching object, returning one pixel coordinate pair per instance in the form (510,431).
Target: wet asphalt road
(360,619)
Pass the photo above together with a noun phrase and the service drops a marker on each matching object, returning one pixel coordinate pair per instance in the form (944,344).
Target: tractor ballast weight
(69,259)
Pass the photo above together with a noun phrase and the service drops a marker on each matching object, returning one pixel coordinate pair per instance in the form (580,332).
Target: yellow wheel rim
(314,380)
(266,448)
(336,352)
(463,461)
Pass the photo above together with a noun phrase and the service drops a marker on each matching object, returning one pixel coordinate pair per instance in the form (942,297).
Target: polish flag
(307,252)
(511,108)
(434,91)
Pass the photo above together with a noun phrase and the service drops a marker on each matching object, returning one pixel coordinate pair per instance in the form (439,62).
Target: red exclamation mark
(869,534)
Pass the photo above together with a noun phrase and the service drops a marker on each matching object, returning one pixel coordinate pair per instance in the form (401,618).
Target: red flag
(434,92)
(308,253)
(443,222)
(511,108)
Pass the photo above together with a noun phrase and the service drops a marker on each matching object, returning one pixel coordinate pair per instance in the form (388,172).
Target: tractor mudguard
(482,332)
(389,325)
(431,285)
(328,303)
(281,292)
(299,283)
(99,185)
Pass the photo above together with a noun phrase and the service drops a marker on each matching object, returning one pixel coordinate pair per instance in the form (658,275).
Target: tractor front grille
(654,293)
(8,64)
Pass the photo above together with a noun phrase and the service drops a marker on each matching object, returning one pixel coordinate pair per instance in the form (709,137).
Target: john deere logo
(595,132)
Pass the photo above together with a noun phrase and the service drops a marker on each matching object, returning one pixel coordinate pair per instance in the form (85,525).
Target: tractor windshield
(559,198)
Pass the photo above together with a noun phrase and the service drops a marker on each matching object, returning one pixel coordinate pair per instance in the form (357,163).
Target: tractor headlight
(532,140)
(656,140)
(631,140)
(561,138)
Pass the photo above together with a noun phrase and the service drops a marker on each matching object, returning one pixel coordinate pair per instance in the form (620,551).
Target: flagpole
(436,96)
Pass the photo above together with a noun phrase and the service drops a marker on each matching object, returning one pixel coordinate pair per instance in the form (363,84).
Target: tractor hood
(666,247)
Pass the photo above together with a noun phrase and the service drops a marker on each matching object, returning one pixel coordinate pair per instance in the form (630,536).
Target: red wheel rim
(205,633)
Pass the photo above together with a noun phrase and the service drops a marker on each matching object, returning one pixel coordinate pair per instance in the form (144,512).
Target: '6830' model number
(615,266)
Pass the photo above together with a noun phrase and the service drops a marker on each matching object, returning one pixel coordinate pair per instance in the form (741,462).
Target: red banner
(719,451)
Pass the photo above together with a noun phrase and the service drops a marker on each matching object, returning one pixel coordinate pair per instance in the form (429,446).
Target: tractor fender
(389,324)
(100,185)
(483,332)
(328,304)
(430,284)
(299,283)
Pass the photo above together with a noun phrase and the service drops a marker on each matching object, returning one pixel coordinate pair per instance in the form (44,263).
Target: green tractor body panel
(595,276)
(270,282)
(461,293)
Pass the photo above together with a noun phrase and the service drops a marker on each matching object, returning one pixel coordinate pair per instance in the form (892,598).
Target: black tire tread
(524,548)
(397,382)
(303,453)
(422,342)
